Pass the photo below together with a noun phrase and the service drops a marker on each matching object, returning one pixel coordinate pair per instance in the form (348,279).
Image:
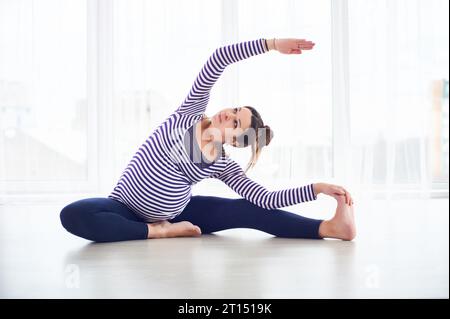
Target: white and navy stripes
(157,182)
(234,177)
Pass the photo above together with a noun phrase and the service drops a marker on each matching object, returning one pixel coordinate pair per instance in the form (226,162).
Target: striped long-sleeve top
(157,182)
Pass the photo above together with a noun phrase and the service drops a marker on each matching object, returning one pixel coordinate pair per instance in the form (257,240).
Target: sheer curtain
(43,95)
(160,46)
(397,109)
(398,94)
(292,92)
(82,84)
(158,49)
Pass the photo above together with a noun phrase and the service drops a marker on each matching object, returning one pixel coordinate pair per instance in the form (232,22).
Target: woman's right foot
(343,223)
(165,229)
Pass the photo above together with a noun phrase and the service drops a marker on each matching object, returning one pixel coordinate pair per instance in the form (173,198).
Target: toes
(191,229)
(196,231)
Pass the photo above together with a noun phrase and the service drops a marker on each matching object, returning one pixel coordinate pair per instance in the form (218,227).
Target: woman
(153,197)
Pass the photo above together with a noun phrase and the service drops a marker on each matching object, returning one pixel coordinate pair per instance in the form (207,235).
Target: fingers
(304,45)
(346,194)
(304,41)
(349,199)
(337,191)
(342,191)
(293,46)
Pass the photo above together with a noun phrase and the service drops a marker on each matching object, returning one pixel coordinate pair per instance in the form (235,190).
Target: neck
(203,126)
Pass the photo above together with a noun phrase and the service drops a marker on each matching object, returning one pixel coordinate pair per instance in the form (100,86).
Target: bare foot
(343,222)
(165,229)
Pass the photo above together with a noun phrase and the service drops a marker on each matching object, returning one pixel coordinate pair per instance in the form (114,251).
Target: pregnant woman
(153,198)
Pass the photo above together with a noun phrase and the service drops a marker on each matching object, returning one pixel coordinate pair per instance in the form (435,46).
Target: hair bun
(269,134)
(265,135)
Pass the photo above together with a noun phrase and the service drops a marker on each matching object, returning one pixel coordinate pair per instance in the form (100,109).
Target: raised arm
(197,99)
(234,177)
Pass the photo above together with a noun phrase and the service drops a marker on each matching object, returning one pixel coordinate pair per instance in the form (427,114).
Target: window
(398,79)
(43,91)
(292,92)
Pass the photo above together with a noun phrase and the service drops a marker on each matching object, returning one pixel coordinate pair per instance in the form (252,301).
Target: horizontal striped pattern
(235,178)
(157,182)
(197,99)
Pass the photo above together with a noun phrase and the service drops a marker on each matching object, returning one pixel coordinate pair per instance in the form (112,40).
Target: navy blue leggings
(107,220)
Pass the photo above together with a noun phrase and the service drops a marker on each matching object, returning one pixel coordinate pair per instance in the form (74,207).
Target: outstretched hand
(292,46)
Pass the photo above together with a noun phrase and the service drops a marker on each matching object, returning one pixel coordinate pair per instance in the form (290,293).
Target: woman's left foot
(165,229)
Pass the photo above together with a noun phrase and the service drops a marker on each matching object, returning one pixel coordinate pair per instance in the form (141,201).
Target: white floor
(401,251)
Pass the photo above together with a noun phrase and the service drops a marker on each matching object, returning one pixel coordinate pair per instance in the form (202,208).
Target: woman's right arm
(234,177)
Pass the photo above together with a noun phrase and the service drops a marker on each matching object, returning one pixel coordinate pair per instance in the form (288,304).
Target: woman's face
(229,123)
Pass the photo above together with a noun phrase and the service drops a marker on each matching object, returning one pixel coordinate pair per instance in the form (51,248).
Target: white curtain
(43,94)
(160,46)
(158,49)
(398,84)
(148,53)
(292,92)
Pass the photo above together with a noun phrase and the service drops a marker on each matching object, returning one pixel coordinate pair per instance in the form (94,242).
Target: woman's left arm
(235,178)
(197,99)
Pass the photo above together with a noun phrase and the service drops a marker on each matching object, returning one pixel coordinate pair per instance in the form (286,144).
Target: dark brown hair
(257,136)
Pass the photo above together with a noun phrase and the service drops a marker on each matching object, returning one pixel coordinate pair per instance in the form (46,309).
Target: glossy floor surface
(401,251)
